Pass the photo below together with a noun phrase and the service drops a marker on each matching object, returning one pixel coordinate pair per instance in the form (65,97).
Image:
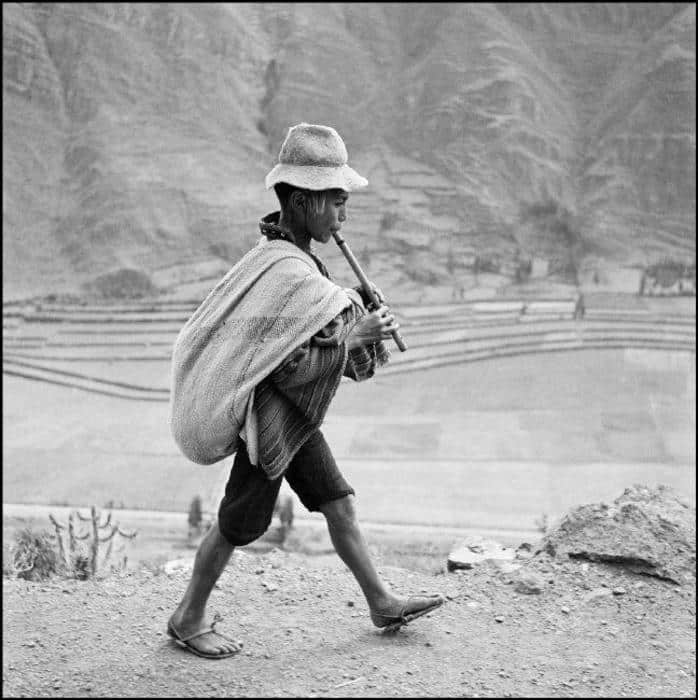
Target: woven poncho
(273,301)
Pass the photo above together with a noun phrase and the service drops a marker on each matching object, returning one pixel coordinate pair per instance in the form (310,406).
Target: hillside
(138,135)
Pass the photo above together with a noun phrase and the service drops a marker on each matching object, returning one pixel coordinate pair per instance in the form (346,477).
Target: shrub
(34,555)
(81,566)
(125,283)
(195,515)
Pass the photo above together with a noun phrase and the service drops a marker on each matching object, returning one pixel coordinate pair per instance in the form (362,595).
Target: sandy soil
(593,631)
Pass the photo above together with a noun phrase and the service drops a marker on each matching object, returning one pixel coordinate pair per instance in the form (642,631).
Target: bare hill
(137,135)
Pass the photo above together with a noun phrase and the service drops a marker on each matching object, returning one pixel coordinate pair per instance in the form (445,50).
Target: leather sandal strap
(201,633)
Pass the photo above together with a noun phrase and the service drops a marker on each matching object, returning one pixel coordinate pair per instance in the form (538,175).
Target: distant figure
(579,309)
(643,281)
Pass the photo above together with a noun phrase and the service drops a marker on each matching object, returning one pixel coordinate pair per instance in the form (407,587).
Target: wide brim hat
(314,157)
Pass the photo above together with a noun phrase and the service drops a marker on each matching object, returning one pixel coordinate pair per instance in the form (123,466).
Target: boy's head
(322,211)
(312,179)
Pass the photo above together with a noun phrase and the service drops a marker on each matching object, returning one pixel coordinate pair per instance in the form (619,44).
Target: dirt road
(592,631)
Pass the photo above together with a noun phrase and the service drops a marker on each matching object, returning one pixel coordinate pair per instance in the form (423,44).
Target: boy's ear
(298,199)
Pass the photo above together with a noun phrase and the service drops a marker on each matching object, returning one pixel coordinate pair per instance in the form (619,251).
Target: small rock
(596,593)
(529,584)
(350,603)
(499,618)
(565,610)
(506,567)
(524,551)
(475,550)
(619,591)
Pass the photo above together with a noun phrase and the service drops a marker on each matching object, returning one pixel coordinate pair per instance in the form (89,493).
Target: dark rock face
(138,135)
(649,531)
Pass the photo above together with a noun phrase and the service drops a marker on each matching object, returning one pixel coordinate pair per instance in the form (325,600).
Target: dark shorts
(247,508)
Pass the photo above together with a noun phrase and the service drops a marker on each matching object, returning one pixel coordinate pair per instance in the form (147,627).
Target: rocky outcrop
(647,530)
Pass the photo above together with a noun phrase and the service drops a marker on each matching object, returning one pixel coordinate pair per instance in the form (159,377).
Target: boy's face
(322,225)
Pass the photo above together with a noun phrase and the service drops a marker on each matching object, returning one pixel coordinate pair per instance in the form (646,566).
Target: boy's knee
(341,510)
(239,534)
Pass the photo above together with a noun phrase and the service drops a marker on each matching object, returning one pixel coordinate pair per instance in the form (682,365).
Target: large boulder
(646,530)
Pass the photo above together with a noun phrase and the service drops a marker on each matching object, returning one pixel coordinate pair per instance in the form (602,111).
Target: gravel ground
(552,628)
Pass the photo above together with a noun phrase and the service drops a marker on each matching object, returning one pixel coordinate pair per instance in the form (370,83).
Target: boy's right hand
(373,327)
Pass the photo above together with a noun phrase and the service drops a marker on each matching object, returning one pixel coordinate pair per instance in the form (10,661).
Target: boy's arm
(316,357)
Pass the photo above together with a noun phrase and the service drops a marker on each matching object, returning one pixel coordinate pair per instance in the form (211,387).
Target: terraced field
(565,410)
(124,350)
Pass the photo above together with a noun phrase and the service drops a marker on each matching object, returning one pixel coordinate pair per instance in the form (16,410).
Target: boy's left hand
(376,291)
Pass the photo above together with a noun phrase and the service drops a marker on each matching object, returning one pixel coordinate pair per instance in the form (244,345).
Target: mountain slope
(138,135)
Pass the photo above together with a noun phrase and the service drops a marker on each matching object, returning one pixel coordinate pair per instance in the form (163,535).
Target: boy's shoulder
(283,255)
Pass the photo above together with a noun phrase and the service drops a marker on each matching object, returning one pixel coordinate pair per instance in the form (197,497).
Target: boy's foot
(203,641)
(405,610)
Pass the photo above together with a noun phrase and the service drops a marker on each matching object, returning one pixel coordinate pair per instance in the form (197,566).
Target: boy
(232,394)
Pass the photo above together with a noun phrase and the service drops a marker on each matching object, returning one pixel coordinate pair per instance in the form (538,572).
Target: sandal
(184,642)
(391,623)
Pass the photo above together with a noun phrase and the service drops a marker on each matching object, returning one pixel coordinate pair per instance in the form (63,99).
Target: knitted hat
(314,157)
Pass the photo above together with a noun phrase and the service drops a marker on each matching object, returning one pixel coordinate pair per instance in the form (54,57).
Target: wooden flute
(368,290)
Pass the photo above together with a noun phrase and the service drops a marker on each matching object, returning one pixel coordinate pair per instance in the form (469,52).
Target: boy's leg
(244,515)
(314,476)
(189,618)
(349,542)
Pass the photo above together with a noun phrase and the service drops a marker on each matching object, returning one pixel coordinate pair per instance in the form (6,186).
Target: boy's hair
(317,199)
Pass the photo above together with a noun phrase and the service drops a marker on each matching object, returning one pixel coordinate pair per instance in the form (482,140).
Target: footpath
(603,606)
